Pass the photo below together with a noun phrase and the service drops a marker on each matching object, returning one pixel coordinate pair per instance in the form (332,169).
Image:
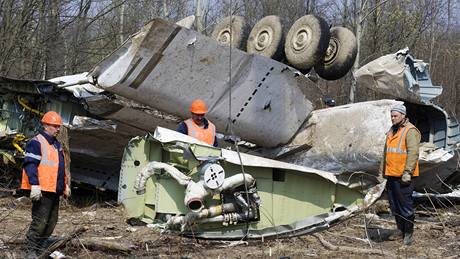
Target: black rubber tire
(340,54)
(307,41)
(237,28)
(267,38)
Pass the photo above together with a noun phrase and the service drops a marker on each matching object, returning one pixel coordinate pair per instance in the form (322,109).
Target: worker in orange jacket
(44,175)
(400,167)
(198,126)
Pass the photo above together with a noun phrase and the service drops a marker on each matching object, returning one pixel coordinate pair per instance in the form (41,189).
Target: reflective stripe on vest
(206,135)
(47,169)
(396,152)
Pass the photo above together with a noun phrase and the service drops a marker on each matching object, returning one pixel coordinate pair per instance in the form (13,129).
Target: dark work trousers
(44,219)
(401,202)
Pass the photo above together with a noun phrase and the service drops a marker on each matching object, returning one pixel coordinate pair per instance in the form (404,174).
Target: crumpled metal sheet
(77,84)
(343,138)
(164,135)
(400,76)
(87,123)
(454,195)
(11,85)
(187,22)
(429,153)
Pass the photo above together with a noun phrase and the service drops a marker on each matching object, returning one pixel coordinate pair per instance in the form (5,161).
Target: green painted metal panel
(170,196)
(300,196)
(347,197)
(134,158)
(256,172)
(149,214)
(205,151)
(265,190)
(150,192)
(286,196)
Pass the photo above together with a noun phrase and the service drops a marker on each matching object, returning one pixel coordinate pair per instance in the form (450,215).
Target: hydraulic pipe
(152,167)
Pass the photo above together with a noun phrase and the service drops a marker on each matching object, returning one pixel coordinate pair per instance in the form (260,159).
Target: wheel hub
(225,37)
(332,50)
(263,40)
(301,39)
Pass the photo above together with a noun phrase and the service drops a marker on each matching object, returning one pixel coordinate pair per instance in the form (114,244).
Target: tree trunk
(121,33)
(358,17)
(345,13)
(165,9)
(198,16)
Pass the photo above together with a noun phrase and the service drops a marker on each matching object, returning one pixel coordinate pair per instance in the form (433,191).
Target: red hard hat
(52,118)
(198,107)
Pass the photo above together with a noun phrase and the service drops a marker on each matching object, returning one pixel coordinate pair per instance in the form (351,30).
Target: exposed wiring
(19,138)
(27,107)
(8,157)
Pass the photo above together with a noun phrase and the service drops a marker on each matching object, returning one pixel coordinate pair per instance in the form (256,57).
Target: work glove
(232,138)
(406,178)
(35,193)
(67,191)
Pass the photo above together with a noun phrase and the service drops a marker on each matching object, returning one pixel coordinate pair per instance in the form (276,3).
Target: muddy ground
(437,235)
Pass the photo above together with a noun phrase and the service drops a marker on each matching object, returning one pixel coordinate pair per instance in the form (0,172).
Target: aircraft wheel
(267,38)
(233,30)
(306,41)
(340,54)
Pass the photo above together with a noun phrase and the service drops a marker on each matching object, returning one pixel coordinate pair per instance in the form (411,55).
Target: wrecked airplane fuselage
(208,192)
(142,85)
(166,67)
(95,146)
(351,138)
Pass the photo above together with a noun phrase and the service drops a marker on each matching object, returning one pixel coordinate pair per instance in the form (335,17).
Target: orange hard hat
(52,118)
(198,107)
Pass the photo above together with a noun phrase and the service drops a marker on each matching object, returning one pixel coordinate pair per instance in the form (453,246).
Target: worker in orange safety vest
(400,167)
(198,126)
(44,175)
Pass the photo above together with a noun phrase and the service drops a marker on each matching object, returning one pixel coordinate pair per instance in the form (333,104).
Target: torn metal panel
(399,75)
(165,179)
(343,138)
(264,91)
(453,196)
(78,84)
(187,22)
(351,138)
(86,123)
(10,85)
(167,136)
(437,175)
(140,117)
(96,146)
(96,151)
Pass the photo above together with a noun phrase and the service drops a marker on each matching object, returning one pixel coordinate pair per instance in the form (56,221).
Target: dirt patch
(435,236)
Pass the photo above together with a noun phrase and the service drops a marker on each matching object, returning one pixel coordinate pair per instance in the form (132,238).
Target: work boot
(409,231)
(399,232)
(400,223)
(396,235)
(408,238)
(48,242)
